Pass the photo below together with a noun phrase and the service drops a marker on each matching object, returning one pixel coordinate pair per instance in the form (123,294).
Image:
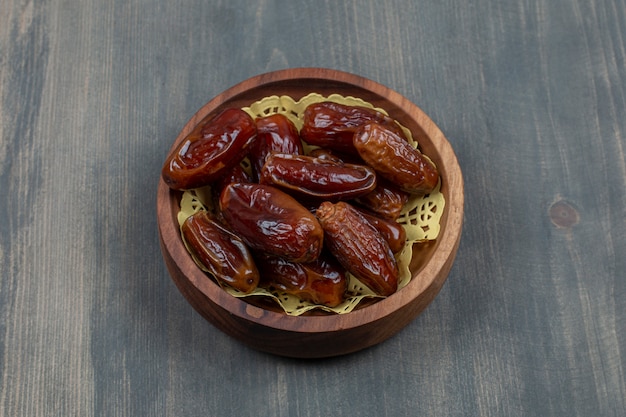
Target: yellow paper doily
(420,216)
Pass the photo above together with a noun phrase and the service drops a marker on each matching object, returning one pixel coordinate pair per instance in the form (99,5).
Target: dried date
(395,159)
(332,125)
(317,178)
(214,145)
(275,133)
(221,252)
(234,174)
(322,281)
(393,232)
(271,221)
(385,200)
(359,247)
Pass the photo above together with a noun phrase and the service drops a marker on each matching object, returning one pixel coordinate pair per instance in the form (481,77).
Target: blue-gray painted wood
(532,96)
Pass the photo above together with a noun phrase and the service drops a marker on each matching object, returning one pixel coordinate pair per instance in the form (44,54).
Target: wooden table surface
(532,97)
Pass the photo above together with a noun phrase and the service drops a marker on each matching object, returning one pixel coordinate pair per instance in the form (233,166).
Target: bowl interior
(431,262)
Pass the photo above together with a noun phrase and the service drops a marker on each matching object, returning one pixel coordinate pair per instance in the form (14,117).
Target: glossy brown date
(395,159)
(393,232)
(222,253)
(271,221)
(385,200)
(359,247)
(214,145)
(234,174)
(275,133)
(322,281)
(317,178)
(332,125)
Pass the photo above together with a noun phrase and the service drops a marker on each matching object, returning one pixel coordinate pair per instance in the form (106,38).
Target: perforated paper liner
(420,216)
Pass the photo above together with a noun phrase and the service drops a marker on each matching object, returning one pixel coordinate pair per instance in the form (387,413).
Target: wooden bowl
(316,336)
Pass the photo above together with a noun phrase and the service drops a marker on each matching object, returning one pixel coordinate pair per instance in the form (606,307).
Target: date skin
(275,133)
(322,281)
(385,200)
(332,125)
(221,252)
(235,173)
(271,221)
(393,232)
(213,146)
(232,175)
(359,247)
(395,159)
(317,178)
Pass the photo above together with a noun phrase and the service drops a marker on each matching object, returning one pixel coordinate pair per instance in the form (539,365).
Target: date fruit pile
(308,207)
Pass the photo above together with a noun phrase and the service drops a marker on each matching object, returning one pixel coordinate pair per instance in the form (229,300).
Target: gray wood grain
(532,97)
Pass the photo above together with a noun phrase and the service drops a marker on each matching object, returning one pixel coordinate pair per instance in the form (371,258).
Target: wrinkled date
(213,146)
(322,281)
(359,247)
(317,178)
(385,200)
(221,252)
(275,133)
(395,159)
(271,221)
(332,125)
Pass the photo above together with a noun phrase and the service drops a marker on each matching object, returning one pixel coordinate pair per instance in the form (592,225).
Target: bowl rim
(447,243)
